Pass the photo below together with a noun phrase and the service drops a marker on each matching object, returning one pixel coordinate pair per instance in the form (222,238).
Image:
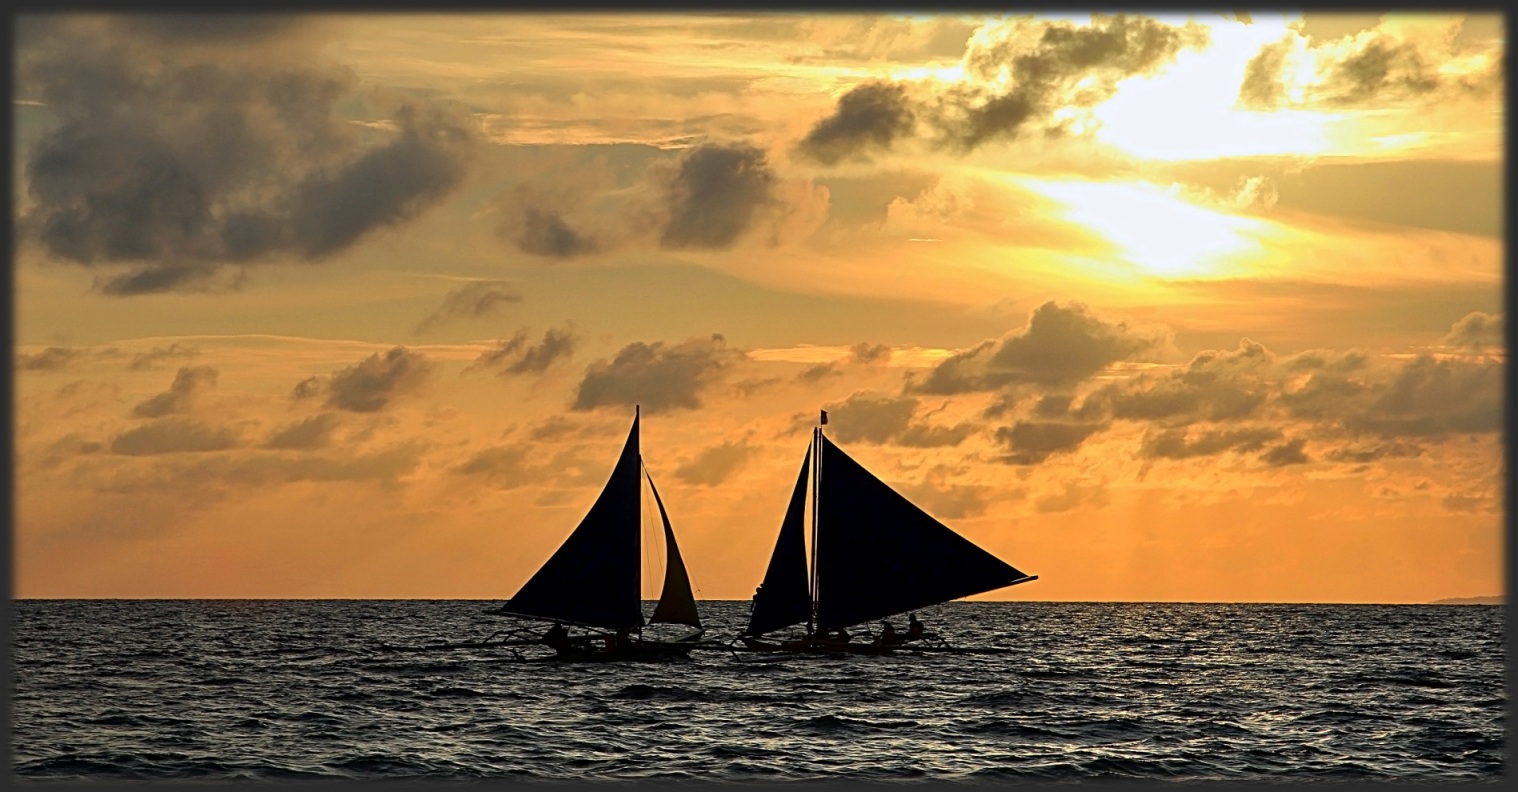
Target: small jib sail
(595,578)
(875,553)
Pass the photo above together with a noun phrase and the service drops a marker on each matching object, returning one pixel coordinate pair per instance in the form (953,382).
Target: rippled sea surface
(215,690)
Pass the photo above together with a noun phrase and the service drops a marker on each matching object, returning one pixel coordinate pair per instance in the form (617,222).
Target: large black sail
(878,554)
(783,598)
(677,604)
(594,577)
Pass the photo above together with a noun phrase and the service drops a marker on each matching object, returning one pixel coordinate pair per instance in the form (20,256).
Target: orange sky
(1156,307)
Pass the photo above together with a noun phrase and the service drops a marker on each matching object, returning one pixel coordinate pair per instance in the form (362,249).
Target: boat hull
(636,651)
(814,646)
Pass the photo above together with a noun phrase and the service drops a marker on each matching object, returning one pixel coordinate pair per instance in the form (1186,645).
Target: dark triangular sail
(595,576)
(783,599)
(878,554)
(677,604)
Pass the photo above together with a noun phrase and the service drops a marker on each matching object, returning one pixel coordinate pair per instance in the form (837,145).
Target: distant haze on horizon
(1172,307)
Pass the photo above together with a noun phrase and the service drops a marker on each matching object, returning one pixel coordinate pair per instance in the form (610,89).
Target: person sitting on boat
(618,642)
(914,627)
(843,634)
(888,634)
(557,636)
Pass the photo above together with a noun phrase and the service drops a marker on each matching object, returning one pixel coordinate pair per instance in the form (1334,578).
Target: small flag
(824,417)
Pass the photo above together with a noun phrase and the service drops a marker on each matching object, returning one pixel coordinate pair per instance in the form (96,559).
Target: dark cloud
(1214,386)
(556,427)
(714,194)
(870,116)
(1178,443)
(1059,347)
(870,354)
(1262,88)
(716,464)
(211,29)
(477,300)
(819,372)
(1359,453)
(657,376)
(542,232)
(312,433)
(183,159)
(1045,66)
(1382,67)
(1476,330)
(504,467)
(156,355)
(516,356)
(1432,397)
(180,395)
(541,214)
(1031,442)
(173,436)
(1373,69)
(1047,59)
(369,385)
(48,359)
(872,418)
(1288,453)
(862,353)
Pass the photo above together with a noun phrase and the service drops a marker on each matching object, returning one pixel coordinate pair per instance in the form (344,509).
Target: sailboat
(875,554)
(593,582)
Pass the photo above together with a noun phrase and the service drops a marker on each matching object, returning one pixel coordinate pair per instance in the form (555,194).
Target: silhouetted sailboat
(875,554)
(594,579)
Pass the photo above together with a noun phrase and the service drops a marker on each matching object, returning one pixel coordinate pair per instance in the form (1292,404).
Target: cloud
(180,395)
(1476,330)
(311,433)
(1181,443)
(716,464)
(1431,397)
(711,196)
(477,300)
(1288,453)
(1032,442)
(1054,64)
(879,419)
(1360,454)
(1021,75)
(863,353)
(49,359)
(221,144)
(1263,88)
(504,467)
(1397,61)
(1213,386)
(1060,346)
(560,210)
(655,375)
(871,115)
(1070,496)
(173,436)
(516,356)
(714,193)
(370,384)
(152,357)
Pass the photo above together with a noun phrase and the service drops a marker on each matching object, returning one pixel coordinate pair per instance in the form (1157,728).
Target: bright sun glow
(1190,110)
(1158,232)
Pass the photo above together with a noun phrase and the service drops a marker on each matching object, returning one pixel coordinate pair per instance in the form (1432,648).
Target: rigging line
(651,530)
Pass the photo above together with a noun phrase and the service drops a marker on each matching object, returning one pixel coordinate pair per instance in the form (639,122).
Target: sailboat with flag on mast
(875,555)
(590,588)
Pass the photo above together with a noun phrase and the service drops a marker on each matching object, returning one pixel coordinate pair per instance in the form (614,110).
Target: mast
(816,500)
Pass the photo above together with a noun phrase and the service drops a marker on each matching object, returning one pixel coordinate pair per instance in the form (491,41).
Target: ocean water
(238,690)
